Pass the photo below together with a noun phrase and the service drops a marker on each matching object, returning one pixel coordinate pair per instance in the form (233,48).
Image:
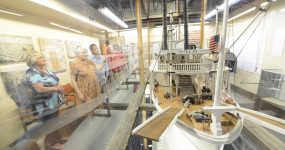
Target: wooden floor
(155,128)
(228,121)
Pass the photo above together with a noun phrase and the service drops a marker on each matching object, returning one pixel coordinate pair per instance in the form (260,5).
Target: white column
(221,63)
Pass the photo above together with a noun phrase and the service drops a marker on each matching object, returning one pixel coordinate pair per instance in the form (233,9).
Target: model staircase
(185,85)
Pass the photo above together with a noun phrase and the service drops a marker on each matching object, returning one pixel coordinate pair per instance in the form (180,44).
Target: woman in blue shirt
(43,84)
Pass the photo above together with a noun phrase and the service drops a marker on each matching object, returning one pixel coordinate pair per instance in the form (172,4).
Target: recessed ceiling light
(64,27)
(106,12)
(11,13)
(53,5)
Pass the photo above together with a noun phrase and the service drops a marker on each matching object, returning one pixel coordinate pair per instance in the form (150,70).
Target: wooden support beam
(148,42)
(140,46)
(122,134)
(203,8)
(141,57)
(124,106)
(106,36)
(147,107)
(116,106)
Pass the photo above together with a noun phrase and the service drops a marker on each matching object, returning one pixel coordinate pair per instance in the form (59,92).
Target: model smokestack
(185,24)
(165,25)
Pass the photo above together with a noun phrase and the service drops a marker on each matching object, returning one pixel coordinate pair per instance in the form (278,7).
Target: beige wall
(30,26)
(273,22)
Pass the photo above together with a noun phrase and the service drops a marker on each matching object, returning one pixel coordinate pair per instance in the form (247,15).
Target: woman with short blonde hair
(44,86)
(83,76)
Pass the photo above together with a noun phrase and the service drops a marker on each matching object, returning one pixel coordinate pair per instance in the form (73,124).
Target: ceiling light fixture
(242,14)
(197,23)
(11,13)
(64,27)
(107,13)
(220,8)
(55,6)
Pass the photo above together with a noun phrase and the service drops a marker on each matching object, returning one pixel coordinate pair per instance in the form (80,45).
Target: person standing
(102,69)
(44,86)
(83,77)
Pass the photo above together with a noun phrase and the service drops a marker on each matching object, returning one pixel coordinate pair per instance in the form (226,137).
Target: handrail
(121,136)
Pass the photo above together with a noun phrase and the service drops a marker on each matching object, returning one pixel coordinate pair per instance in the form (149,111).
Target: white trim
(222,139)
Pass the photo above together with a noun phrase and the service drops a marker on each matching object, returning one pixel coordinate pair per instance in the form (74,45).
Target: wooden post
(203,8)
(148,42)
(140,46)
(141,58)
(148,33)
(106,36)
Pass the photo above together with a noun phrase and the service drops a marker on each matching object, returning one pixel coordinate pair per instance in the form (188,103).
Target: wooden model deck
(228,121)
(156,127)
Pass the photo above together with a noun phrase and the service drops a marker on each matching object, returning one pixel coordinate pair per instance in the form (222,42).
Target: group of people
(88,76)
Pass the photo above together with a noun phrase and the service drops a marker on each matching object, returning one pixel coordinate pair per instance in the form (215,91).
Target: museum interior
(142,74)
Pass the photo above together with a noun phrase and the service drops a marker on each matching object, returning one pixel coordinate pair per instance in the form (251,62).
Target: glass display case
(271,93)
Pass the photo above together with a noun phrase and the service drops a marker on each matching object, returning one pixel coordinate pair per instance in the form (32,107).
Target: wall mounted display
(14,49)
(71,47)
(54,52)
(15,87)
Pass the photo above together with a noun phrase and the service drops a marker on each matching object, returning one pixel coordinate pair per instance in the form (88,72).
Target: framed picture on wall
(54,52)
(14,85)
(71,47)
(14,49)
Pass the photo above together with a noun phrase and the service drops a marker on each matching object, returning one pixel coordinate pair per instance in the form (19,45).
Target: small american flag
(214,43)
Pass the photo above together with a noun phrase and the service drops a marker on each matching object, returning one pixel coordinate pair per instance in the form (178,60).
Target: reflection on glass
(51,105)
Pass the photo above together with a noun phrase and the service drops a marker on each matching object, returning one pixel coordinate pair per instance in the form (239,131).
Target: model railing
(182,51)
(186,67)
